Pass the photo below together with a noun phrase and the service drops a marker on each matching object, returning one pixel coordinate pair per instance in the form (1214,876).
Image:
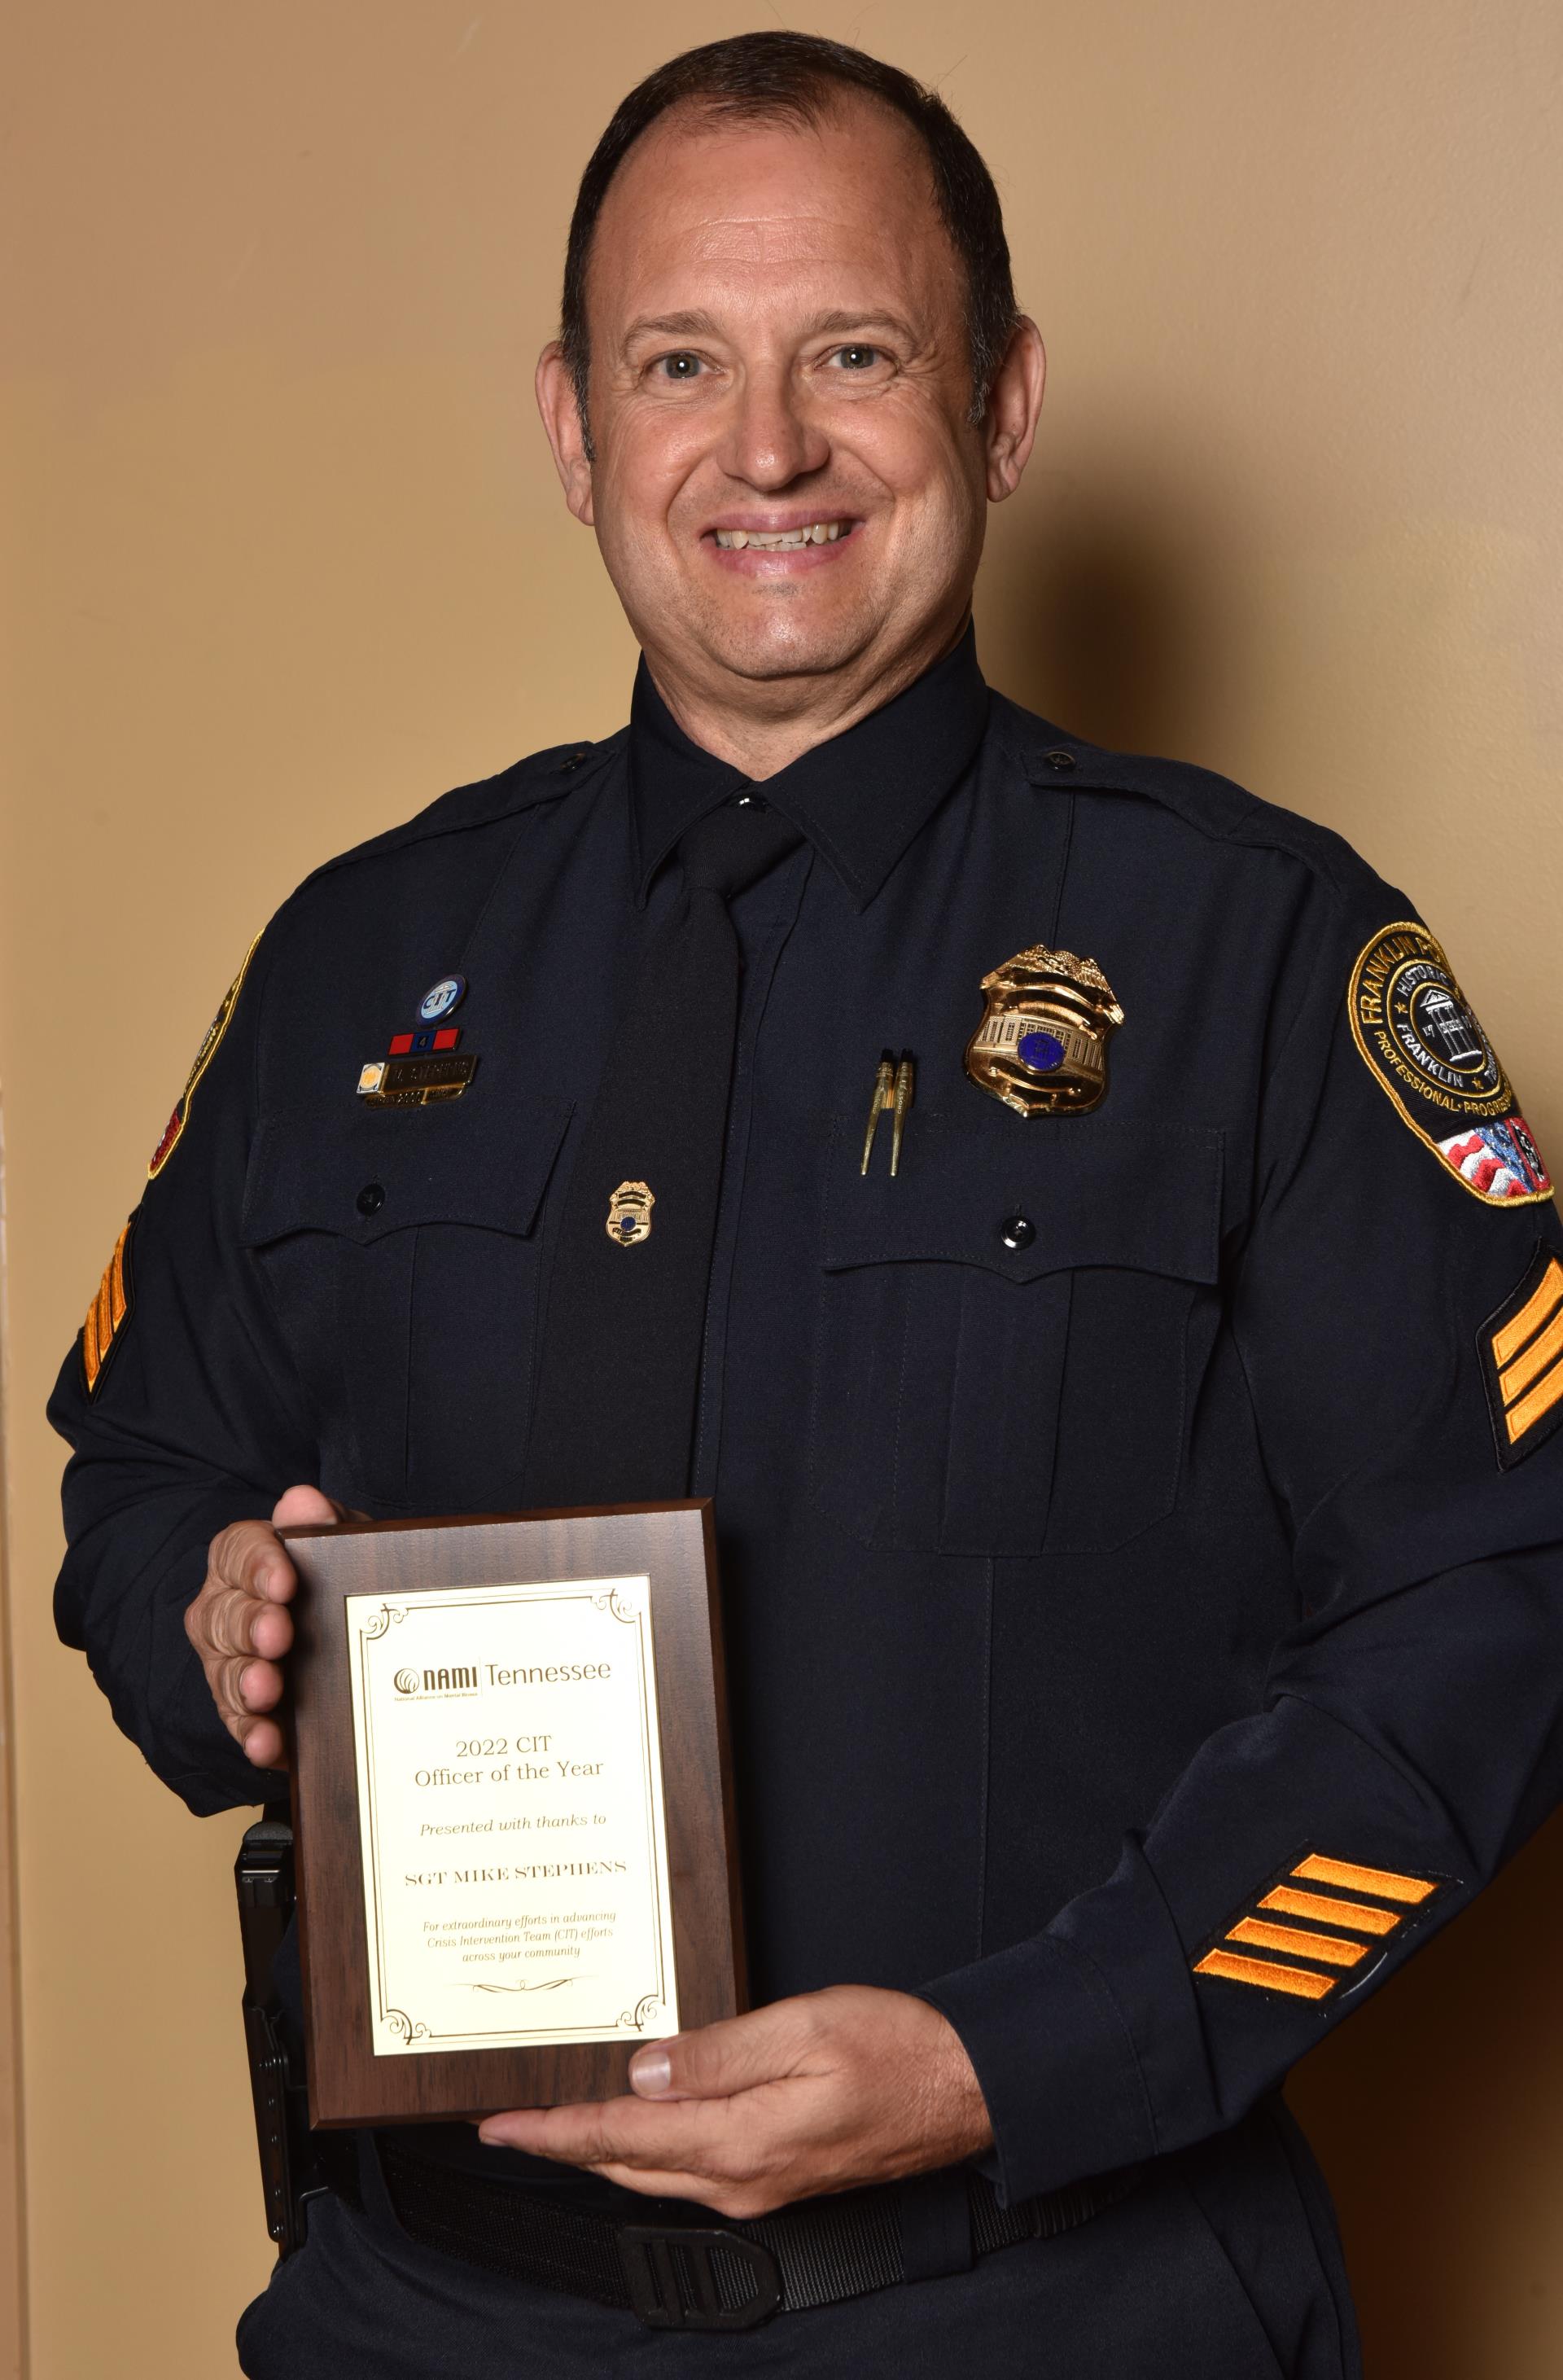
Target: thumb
(306,1507)
(720,2060)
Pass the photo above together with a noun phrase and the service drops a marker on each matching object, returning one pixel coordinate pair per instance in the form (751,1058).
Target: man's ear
(567,432)
(1014,401)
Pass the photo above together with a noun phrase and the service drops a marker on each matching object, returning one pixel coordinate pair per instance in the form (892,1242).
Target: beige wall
(286,559)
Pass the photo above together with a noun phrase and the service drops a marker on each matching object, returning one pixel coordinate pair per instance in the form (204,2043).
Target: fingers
(307,1508)
(263,1744)
(735,2054)
(695,2150)
(238,1623)
(249,1558)
(622,2132)
(240,1628)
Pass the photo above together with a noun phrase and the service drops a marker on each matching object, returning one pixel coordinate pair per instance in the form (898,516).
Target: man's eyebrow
(670,326)
(698,324)
(875,319)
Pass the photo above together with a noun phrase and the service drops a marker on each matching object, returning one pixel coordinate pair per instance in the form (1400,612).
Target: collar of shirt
(860,798)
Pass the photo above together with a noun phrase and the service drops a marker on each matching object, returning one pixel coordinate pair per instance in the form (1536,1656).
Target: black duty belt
(687,2274)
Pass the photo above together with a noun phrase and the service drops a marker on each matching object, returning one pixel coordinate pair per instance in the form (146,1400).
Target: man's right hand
(239,1623)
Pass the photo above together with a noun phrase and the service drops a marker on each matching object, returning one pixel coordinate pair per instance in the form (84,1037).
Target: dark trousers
(1223,2265)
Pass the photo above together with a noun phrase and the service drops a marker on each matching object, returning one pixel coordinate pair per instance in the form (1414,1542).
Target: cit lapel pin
(894,1088)
(1042,1044)
(421,1069)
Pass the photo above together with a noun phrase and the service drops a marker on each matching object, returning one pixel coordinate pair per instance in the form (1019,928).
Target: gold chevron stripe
(1386,1882)
(105,1314)
(1535,1359)
(1531,1315)
(1529,1410)
(1349,1913)
(1301,1981)
(1298,1941)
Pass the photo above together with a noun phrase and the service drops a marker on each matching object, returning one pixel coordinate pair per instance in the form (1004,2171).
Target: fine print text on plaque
(511,1820)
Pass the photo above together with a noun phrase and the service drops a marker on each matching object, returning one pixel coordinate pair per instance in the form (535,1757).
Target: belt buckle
(672,2281)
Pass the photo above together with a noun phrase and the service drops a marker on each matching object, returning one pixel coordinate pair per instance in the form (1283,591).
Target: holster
(292,2172)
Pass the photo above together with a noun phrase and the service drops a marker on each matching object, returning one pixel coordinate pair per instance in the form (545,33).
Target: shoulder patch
(1421,1041)
(204,1055)
(109,1312)
(1521,1350)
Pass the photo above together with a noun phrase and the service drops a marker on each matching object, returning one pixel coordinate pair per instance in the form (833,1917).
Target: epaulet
(541,777)
(1211,804)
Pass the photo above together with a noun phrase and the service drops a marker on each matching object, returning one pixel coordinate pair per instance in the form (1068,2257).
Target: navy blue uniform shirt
(1143,1629)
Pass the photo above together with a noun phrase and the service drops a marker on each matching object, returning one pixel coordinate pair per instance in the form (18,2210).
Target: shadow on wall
(1434,2110)
(1091,610)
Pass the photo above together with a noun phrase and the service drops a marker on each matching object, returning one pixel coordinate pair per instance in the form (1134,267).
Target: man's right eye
(678,367)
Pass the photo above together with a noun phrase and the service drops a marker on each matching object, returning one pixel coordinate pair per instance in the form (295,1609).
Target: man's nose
(771,439)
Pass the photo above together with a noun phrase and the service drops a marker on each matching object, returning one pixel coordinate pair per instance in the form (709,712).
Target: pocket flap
(364,1173)
(1094,1191)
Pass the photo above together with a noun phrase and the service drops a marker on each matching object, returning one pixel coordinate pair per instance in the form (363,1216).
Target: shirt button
(370,1198)
(1059,759)
(1017,1231)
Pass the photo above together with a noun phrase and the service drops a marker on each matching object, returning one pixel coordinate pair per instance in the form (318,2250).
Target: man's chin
(775,650)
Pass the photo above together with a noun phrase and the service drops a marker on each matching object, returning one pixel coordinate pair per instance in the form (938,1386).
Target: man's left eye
(857,359)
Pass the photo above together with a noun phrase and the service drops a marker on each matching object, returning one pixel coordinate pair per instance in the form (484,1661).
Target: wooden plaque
(512,1806)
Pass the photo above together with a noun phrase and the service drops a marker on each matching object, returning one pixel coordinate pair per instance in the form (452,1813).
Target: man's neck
(760,727)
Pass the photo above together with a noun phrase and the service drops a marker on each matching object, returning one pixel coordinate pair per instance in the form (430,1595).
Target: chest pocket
(1009,1329)
(401,1249)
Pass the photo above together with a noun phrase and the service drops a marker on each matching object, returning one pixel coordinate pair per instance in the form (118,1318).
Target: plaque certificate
(512,1810)
(510,1806)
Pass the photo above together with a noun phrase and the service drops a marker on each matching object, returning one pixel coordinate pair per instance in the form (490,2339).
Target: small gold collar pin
(629,1214)
(894,1088)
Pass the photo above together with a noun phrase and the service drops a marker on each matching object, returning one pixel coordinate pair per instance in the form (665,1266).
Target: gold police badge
(1041,1047)
(629,1213)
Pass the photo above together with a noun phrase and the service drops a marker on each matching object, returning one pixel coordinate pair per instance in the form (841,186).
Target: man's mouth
(783,540)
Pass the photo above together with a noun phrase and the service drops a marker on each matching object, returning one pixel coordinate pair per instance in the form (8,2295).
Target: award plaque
(512,1806)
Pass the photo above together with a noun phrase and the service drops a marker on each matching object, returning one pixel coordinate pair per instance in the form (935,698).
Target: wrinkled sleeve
(183,1415)
(1397,1332)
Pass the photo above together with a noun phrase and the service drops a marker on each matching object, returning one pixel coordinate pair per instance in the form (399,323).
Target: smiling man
(1135,1465)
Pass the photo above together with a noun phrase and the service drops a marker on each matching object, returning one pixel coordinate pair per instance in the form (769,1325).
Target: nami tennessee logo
(436,1681)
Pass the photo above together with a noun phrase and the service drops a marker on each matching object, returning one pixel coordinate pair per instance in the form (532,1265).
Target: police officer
(1065,1212)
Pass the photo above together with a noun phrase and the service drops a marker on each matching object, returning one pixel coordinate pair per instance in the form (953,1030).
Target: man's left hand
(822,2092)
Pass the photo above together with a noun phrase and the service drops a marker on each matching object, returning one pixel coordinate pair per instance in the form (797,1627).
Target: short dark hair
(795,78)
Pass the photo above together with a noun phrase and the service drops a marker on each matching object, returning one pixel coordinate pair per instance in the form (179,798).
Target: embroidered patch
(1521,1347)
(174,1127)
(1422,1042)
(109,1312)
(1323,1923)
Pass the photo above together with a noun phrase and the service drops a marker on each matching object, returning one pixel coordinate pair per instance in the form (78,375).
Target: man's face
(779,352)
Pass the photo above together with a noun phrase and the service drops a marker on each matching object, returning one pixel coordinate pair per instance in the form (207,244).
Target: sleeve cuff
(1086,2039)
(1056,2063)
